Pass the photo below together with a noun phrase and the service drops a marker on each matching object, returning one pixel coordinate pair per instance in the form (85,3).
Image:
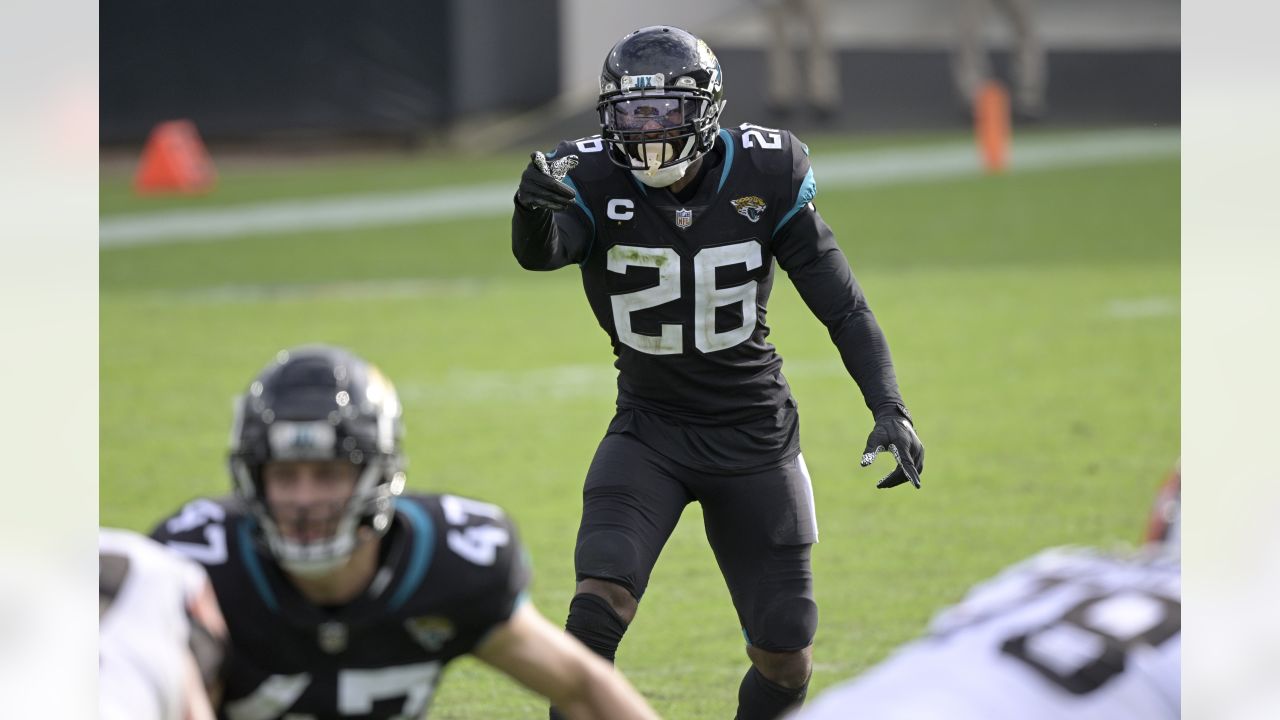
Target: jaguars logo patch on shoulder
(750,207)
(431,631)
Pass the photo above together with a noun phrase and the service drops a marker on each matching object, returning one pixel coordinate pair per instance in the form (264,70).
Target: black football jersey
(450,570)
(682,288)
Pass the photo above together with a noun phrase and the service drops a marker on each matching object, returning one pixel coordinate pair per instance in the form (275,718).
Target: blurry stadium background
(415,72)
(366,155)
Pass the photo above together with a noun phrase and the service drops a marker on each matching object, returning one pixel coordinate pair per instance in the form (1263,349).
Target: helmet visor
(636,126)
(647,114)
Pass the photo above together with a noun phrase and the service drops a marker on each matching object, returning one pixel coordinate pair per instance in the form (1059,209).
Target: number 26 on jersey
(707,298)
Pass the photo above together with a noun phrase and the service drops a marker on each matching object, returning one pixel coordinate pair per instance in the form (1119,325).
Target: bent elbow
(529,261)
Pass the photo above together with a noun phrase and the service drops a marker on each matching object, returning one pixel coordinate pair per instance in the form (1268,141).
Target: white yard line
(862,168)
(337,213)
(559,382)
(381,289)
(938,162)
(1138,308)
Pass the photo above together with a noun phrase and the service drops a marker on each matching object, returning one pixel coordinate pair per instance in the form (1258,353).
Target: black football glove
(540,186)
(895,433)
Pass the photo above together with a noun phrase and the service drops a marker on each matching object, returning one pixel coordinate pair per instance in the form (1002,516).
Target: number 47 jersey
(681,284)
(450,570)
(1068,634)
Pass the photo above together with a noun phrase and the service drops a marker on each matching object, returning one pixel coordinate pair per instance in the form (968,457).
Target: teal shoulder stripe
(728,157)
(568,181)
(254,565)
(808,189)
(424,541)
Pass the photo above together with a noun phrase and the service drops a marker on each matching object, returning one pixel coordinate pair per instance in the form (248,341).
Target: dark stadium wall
(505,55)
(322,68)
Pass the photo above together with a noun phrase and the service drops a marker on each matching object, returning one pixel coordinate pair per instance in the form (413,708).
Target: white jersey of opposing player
(1067,634)
(145,667)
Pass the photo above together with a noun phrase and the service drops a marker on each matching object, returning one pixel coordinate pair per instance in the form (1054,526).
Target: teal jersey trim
(578,199)
(808,189)
(424,541)
(728,157)
(253,565)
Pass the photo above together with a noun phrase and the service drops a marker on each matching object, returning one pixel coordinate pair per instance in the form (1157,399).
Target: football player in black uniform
(345,598)
(675,224)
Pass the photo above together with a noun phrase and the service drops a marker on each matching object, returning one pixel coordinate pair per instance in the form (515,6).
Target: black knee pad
(595,623)
(785,625)
(610,556)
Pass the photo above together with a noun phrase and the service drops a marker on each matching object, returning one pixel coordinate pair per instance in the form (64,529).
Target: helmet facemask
(658,136)
(334,407)
(319,537)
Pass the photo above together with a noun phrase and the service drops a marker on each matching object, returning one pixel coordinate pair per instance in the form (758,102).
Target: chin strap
(657,153)
(662,177)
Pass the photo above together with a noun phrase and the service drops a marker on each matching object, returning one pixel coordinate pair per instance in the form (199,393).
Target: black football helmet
(319,402)
(661,87)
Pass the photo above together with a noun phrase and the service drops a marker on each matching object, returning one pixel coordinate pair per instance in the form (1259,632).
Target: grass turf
(1033,320)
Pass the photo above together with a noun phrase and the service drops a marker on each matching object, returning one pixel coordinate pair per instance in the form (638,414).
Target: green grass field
(1033,320)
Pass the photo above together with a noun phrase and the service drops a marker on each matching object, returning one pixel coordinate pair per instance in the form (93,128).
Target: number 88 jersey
(682,286)
(1069,633)
(450,570)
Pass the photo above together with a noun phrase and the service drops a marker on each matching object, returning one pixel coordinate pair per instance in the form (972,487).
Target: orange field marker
(174,160)
(991,126)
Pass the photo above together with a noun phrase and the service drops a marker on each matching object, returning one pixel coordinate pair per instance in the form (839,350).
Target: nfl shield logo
(684,218)
(332,637)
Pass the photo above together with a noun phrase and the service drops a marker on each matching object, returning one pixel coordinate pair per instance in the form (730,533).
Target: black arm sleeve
(806,248)
(543,240)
